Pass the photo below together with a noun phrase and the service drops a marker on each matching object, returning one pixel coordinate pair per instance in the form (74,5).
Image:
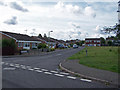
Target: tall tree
(115,29)
(40,36)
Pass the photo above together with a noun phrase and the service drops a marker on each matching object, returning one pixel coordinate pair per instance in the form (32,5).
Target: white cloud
(89,12)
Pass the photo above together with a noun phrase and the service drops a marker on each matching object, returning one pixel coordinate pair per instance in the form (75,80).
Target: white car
(75,46)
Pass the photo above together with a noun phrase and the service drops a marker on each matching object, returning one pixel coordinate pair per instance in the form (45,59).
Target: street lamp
(49,38)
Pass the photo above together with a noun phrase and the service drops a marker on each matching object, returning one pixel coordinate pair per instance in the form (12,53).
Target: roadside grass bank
(105,58)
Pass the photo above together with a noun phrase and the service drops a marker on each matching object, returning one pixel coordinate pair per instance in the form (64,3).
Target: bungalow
(22,41)
(92,41)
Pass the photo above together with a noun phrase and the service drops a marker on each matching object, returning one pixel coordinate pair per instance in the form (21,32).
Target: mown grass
(105,58)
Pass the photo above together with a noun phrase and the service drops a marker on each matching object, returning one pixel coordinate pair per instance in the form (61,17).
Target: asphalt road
(42,72)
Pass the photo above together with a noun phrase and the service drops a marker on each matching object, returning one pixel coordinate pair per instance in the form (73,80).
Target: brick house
(92,41)
(22,41)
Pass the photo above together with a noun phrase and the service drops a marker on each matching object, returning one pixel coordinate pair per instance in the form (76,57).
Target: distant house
(92,41)
(22,41)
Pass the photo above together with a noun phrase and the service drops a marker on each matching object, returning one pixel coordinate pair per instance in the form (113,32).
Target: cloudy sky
(68,20)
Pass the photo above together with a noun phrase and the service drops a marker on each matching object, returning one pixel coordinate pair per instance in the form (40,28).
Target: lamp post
(49,38)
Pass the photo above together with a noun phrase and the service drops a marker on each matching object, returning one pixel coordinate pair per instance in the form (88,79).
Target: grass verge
(105,58)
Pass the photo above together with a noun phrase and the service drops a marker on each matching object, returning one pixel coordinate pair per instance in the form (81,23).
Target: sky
(78,19)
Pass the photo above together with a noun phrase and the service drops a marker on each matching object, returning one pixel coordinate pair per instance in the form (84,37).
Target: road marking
(64,73)
(36,68)
(58,54)
(71,77)
(59,75)
(8,68)
(23,67)
(47,73)
(54,71)
(86,80)
(38,71)
(17,66)
(11,65)
(44,70)
(30,69)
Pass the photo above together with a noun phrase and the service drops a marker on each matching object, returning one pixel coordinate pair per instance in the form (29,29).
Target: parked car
(75,46)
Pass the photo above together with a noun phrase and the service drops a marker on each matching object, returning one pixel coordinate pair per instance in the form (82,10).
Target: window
(19,44)
(26,44)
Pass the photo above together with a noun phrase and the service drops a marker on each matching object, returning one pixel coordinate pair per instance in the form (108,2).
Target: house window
(19,44)
(34,44)
(26,44)
(98,41)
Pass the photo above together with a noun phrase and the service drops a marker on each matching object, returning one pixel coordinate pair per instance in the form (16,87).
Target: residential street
(42,72)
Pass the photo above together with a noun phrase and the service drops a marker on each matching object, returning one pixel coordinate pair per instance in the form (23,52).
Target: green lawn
(105,58)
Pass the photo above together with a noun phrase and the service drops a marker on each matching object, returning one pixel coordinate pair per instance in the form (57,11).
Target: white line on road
(11,65)
(38,71)
(8,68)
(44,70)
(36,68)
(59,75)
(64,73)
(54,71)
(30,69)
(71,77)
(86,80)
(47,73)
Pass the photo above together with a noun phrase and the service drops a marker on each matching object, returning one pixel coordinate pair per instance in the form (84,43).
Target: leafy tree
(102,41)
(115,29)
(110,43)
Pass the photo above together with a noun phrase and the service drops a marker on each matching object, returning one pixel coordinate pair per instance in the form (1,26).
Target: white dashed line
(59,75)
(86,80)
(44,70)
(30,69)
(64,73)
(23,67)
(71,77)
(11,65)
(38,71)
(36,68)
(8,68)
(47,73)
(54,71)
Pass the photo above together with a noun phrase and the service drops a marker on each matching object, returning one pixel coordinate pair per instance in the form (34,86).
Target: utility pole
(118,12)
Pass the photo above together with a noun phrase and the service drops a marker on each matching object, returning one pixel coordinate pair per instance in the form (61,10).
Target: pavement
(73,66)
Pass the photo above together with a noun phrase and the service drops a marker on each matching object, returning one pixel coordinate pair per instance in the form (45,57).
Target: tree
(45,35)
(40,36)
(102,41)
(110,43)
(42,45)
(115,29)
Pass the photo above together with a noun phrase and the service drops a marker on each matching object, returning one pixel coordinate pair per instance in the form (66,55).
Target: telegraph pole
(118,12)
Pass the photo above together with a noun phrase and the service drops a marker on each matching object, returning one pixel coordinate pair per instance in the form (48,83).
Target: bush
(9,43)
(52,49)
(42,45)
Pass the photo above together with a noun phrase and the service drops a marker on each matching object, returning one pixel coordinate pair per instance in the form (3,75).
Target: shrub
(52,49)
(42,45)
(9,43)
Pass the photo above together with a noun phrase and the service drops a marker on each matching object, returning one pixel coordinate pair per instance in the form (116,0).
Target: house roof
(92,38)
(18,36)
